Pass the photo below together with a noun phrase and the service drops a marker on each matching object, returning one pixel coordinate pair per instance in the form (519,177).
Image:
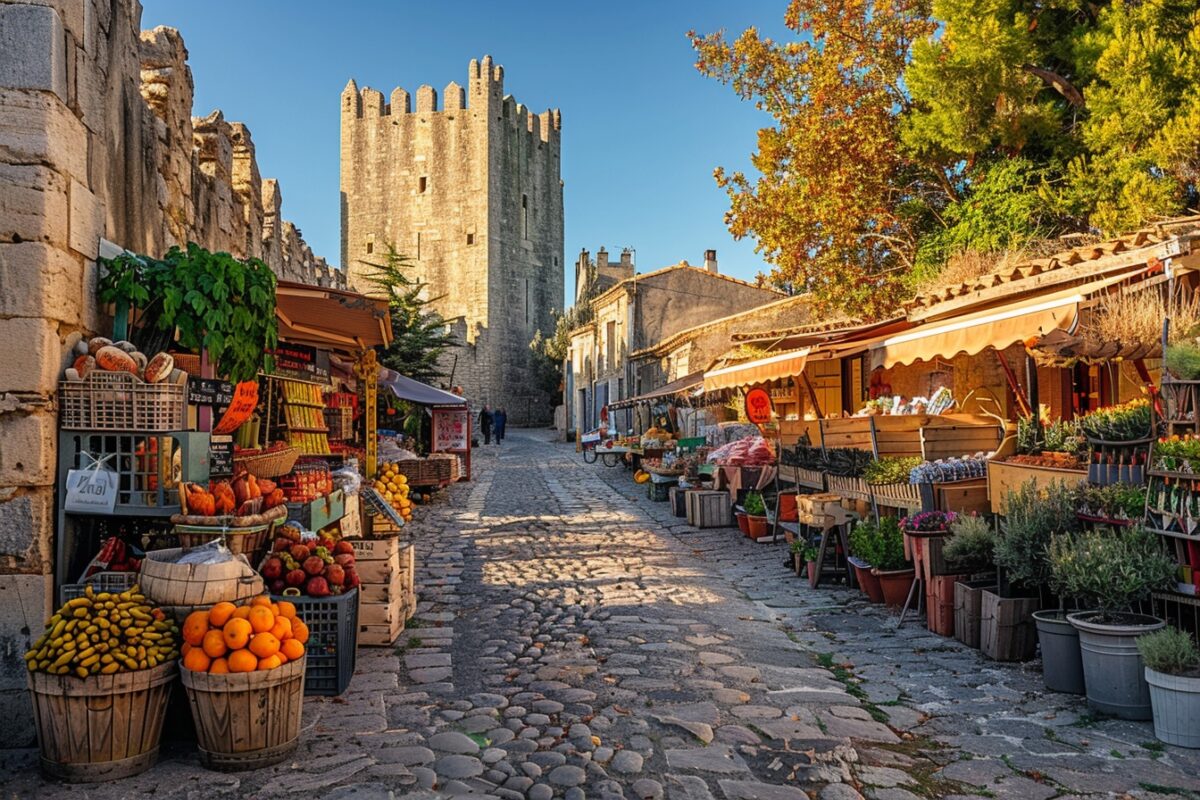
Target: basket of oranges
(243,670)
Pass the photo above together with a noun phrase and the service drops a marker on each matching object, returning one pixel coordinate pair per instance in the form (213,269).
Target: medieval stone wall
(96,141)
(470,192)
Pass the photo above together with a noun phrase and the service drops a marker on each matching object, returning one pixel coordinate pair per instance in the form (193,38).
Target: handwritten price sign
(245,400)
(758,406)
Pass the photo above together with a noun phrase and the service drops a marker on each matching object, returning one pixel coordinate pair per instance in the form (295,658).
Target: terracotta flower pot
(812,571)
(896,585)
(758,527)
(743,523)
(867,581)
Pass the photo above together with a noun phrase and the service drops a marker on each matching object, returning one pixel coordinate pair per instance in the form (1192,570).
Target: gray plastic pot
(1176,702)
(1112,665)
(1062,663)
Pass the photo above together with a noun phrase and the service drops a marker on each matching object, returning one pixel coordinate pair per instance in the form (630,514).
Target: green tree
(550,352)
(419,334)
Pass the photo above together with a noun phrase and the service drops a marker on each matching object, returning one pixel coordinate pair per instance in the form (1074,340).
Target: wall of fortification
(468,188)
(96,140)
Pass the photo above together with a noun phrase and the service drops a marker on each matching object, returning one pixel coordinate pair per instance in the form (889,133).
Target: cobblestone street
(573,639)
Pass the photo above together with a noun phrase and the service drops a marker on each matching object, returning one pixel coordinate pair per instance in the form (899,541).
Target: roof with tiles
(800,301)
(1057,268)
(681,265)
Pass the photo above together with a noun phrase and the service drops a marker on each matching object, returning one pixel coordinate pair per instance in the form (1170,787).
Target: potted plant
(1032,515)
(969,551)
(1109,570)
(1173,673)
(892,567)
(797,549)
(810,562)
(756,515)
(863,549)
(743,521)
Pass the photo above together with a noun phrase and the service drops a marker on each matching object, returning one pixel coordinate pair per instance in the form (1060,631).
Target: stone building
(637,312)
(470,191)
(593,276)
(97,141)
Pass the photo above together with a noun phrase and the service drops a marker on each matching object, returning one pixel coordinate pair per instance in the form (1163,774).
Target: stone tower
(471,192)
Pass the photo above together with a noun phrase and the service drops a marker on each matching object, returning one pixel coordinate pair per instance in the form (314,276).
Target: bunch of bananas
(102,633)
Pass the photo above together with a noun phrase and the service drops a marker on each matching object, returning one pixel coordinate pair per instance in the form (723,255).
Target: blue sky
(642,130)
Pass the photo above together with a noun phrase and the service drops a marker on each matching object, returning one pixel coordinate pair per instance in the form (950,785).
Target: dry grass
(969,265)
(1137,317)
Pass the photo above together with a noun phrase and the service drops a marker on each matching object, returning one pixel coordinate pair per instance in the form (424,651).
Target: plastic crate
(119,401)
(149,467)
(332,641)
(100,582)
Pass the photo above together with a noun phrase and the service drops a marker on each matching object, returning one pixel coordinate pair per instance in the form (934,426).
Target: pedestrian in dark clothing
(501,421)
(485,424)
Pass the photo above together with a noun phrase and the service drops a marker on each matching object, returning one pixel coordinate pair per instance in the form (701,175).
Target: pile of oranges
(227,638)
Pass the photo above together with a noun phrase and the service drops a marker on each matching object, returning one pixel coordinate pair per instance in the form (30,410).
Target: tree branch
(1058,83)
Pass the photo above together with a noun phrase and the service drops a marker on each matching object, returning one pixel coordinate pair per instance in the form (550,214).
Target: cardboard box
(375,549)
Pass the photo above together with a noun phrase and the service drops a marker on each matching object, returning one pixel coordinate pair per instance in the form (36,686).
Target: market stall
(444,433)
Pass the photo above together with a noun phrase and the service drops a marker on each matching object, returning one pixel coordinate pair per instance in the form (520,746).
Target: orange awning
(761,370)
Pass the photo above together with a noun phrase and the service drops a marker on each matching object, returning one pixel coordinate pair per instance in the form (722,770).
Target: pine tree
(419,334)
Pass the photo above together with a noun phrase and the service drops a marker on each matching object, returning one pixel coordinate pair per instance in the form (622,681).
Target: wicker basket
(119,401)
(250,542)
(188,362)
(269,465)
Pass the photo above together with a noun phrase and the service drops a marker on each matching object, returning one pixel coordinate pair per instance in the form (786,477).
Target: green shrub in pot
(971,546)
(754,505)
(1110,571)
(1171,660)
(1032,516)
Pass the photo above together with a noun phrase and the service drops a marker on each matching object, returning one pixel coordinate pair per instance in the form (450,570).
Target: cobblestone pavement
(575,640)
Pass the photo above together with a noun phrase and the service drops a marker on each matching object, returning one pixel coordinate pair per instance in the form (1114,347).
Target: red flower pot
(743,523)
(867,581)
(895,585)
(758,527)
(812,571)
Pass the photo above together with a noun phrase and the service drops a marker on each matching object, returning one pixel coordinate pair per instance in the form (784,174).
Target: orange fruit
(196,660)
(195,626)
(300,632)
(282,629)
(270,662)
(219,614)
(261,600)
(214,644)
(287,609)
(292,649)
(264,645)
(185,648)
(241,612)
(219,666)
(237,634)
(282,658)
(261,619)
(242,661)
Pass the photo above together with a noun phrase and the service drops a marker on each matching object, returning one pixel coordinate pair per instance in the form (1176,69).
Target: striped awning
(760,370)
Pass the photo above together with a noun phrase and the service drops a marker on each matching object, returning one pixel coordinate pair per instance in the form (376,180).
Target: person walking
(485,424)
(501,421)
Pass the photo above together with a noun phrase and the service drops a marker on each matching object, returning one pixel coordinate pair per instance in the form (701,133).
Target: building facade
(635,313)
(470,191)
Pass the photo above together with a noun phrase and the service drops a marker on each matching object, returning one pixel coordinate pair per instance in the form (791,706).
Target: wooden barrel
(170,584)
(102,727)
(247,720)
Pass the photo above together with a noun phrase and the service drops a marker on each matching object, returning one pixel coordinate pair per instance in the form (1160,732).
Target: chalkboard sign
(220,456)
(376,503)
(207,392)
(301,362)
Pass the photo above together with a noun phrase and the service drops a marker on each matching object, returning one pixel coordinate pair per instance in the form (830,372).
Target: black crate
(332,640)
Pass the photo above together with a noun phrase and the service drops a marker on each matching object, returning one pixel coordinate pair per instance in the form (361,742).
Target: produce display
(847,462)
(227,638)
(393,485)
(105,355)
(890,470)
(1177,454)
(1118,501)
(948,470)
(104,632)
(939,403)
(1054,444)
(248,499)
(1124,423)
(316,567)
(1048,458)
(115,556)
(752,451)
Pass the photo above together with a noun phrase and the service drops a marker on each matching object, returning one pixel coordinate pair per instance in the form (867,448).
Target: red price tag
(245,400)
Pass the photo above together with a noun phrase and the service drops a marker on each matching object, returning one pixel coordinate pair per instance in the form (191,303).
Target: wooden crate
(897,495)
(380,635)
(170,584)
(1004,478)
(945,438)
(103,727)
(963,497)
(1006,628)
(374,549)
(379,570)
(247,720)
(709,509)
(968,605)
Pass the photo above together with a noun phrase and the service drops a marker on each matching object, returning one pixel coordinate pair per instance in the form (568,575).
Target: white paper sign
(91,491)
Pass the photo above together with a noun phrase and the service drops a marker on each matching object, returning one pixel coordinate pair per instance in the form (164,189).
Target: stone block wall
(97,140)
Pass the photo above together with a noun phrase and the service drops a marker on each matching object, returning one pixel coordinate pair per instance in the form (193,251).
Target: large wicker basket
(119,401)
(270,464)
